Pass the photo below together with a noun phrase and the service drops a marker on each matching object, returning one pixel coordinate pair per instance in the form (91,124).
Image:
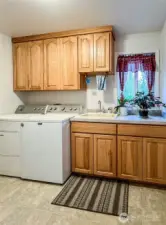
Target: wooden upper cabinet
(55,61)
(52,64)
(20,55)
(36,60)
(105,155)
(154,160)
(85,53)
(82,153)
(130,151)
(69,63)
(102,52)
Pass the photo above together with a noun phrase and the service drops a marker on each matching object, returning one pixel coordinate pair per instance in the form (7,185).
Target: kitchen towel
(101,82)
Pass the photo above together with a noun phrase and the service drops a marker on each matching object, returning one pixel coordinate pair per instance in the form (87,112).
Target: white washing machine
(45,141)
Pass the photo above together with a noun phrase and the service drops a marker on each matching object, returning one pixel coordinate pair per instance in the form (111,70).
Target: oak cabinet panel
(36,60)
(69,63)
(154,160)
(130,157)
(93,128)
(20,55)
(52,76)
(101,52)
(154,131)
(82,153)
(85,53)
(105,155)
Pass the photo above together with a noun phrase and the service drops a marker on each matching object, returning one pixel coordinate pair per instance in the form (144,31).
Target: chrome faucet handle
(103,110)
(110,109)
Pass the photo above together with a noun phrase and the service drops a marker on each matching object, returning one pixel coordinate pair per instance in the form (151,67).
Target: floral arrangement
(122,102)
(145,102)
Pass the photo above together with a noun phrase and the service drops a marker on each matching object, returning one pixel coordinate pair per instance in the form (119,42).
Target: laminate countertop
(130,119)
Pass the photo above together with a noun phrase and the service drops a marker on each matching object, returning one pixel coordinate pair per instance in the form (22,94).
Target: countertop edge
(118,121)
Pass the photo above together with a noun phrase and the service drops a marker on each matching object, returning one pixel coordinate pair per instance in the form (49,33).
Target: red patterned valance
(135,63)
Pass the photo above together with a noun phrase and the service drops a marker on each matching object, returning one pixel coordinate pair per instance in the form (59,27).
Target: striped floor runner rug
(94,194)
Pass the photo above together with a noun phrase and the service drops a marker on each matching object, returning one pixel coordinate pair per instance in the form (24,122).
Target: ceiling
(26,17)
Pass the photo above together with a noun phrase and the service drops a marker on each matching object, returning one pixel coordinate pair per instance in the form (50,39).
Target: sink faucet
(101,110)
(99,102)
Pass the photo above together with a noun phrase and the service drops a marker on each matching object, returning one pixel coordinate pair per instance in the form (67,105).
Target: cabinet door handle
(1,135)
(22,125)
(40,123)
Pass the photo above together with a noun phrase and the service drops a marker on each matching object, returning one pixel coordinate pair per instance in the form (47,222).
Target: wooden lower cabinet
(130,157)
(154,160)
(94,154)
(122,156)
(82,153)
(105,155)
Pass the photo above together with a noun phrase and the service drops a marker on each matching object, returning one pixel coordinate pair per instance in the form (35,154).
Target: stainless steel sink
(100,115)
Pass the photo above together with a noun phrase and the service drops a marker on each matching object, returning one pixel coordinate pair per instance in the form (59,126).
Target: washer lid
(50,117)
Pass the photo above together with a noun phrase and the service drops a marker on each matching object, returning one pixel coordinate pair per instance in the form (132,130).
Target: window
(136,73)
(134,82)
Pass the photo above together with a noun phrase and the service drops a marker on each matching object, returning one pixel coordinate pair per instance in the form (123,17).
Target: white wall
(77,97)
(134,43)
(8,99)
(163,64)
(145,42)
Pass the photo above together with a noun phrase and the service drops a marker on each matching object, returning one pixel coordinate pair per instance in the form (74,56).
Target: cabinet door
(85,56)
(105,155)
(101,52)
(130,150)
(35,50)
(20,55)
(154,166)
(69,67)
(82,153)
(52,64)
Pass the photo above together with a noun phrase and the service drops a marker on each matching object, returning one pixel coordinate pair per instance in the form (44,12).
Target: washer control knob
(75,109)
(63,109)
(70,109)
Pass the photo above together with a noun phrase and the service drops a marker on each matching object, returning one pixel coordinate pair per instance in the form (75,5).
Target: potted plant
(122,106)
(164,111)
(145,102)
